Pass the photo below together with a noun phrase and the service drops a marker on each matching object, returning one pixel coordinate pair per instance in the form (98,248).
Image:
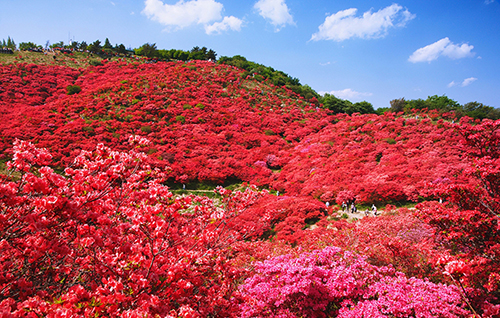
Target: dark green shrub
(73,89)
(88,129)
(181,119)
(146,129)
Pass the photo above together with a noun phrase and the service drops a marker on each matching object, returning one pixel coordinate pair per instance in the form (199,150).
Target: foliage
(231,130)
(337,105)
(9,43)
(98,233)
(108,239)
(262,72)
(95,47)
(468,224)
(196,53)
(73,89)
(24,46)
(202,54)
(148,50)
(445,104)
(107,44)
(330,283)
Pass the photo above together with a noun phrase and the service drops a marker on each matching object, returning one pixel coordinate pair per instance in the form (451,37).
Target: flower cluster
(109,238)
(329,282)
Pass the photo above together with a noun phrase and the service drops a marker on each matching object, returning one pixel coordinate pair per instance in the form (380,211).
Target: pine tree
(11,44)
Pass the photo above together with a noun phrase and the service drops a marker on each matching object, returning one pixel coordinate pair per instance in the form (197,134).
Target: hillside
(122,133)
(213,123)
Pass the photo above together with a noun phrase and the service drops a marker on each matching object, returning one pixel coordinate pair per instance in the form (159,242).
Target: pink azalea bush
(329,282)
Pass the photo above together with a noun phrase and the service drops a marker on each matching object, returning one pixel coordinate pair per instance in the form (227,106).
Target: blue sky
(357,50)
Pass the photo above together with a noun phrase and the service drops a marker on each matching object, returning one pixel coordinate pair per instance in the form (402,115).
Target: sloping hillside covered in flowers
(208,123)
(89,225)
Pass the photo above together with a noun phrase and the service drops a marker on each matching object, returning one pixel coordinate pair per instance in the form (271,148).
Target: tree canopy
(278,78)
(445,104)
(338,105)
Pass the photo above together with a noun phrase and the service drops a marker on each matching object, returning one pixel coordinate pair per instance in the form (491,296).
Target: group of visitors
(36,50)
(350,206)
(6,50)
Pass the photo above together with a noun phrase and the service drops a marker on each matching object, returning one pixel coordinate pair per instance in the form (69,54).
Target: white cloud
(344,24)
(185,13)
(348,94)
(465,82)
(443,47)
(468,81)
(229,23)
(275,10)
(488,1)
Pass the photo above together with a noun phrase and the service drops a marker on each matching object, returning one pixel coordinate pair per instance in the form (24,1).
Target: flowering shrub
(209,124)
(109,239)
(329,282)
(467,223)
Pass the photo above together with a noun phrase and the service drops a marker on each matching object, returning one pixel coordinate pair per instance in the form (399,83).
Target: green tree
(200,54)
(121,49)
(181,55)
(236,61)
(74,45)
(335,104)
(480,111)
(107,44)
(24,46)
(95,47)
(10,43)
(363,107)
(148,50)
(382,110)
(211,55)
(397,105)
(83,46)
(59,44)
(443,103)
(278,78)
(415,104)
(303,90)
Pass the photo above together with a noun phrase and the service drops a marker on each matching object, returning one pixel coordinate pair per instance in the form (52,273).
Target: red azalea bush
(467,224)
(400,240)
(208,124)
(109,239)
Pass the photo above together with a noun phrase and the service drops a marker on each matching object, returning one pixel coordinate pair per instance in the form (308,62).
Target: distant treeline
(443,104)
(261,72)
(9,44)
(196,53)
(278,78)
